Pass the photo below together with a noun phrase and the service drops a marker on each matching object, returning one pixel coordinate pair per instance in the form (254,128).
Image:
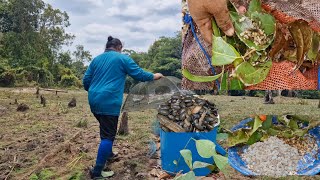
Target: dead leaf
(164,176)
(302,36)
(155,173)
(278,44)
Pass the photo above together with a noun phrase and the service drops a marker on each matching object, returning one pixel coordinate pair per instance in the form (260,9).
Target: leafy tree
(165,55)
(65,59)
(81,55)
(33,32)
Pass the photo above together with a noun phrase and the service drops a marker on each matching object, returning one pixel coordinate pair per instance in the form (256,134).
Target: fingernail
(229,32)
(242,9)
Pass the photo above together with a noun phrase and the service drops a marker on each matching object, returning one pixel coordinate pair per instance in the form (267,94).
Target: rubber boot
(104,151)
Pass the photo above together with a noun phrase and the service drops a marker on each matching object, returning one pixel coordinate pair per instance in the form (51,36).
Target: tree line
(32,37)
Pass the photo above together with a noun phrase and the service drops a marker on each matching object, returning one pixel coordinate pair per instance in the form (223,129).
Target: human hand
(157,76)
(202,12)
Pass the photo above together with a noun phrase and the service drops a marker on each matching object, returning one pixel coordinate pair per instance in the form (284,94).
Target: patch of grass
(303,102)
(82,123)
(45,174)
(77,175)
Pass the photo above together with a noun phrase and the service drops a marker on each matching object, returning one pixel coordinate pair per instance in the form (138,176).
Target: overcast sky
(138,23)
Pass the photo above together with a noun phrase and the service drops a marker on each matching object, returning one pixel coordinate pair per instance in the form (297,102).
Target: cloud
(137,23)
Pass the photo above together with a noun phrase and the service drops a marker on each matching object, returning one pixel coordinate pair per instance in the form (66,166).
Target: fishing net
(149,95)
(281,75)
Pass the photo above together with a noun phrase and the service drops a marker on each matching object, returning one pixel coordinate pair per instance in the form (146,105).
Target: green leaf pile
(258,130)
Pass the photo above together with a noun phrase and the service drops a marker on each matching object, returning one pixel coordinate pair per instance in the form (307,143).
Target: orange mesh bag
(282,74)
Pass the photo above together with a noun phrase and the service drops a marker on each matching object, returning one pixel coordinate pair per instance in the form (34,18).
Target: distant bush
(309,94)
(32,74)
(7,78)
(237,93)
(2,68)
(70,80)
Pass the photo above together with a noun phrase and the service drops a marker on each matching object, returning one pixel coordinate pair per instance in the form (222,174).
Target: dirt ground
(57,142)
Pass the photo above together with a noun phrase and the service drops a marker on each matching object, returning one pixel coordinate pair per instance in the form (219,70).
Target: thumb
(202,18)
(222,16)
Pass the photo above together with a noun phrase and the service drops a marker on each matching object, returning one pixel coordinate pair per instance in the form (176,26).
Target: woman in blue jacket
(104,80)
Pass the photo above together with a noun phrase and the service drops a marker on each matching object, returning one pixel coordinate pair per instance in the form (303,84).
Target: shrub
(7,78)
(34,74)
(82,123)
(2,68)
(70,80)
(309,94)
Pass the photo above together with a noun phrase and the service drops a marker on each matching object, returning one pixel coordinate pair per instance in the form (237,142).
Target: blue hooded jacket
(105,79)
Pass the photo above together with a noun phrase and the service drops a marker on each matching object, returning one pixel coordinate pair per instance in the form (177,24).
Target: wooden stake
(124,129)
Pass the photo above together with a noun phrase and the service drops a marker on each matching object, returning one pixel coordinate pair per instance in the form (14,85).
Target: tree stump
(22,107)
(268,99)
(43,101)
(124,129)
(38,92)
(72,103)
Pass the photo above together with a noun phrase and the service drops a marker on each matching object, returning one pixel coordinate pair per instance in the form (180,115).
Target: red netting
(282,76)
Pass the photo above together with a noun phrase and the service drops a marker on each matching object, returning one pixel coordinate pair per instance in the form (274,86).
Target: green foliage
(258,130)
(187,156)
(309,94)
(228,50)
(313,52)
(195,78)
(70,80)
(81,55)
(32,34)
(256,93)
(77,176)
(2,68)
(82,123)
(7,78)
(44,174)
(35,74)
(250,75)
(164,56)
(223,53)
(206,149)
(188,176)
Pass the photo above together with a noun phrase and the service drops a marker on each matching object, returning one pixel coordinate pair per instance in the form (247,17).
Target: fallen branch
(9,173)
(55,90)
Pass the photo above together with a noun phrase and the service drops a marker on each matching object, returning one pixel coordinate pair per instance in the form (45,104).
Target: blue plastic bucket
(172,143)
(309,165)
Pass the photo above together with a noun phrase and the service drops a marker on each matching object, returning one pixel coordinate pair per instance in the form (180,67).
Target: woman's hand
(157,76)
(202,12)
